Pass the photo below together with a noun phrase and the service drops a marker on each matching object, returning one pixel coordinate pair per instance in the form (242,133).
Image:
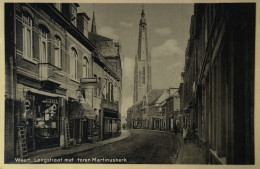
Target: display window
(47,124)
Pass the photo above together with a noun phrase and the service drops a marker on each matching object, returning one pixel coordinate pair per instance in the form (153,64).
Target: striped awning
(81,110)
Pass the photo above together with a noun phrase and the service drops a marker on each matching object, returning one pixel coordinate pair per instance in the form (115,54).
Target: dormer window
(74,15)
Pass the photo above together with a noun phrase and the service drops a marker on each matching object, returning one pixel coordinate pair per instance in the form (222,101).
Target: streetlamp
(80,93)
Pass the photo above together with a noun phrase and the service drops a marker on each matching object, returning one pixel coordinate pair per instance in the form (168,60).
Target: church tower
(142,76)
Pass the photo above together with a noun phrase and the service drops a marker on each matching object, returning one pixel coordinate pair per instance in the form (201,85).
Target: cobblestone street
(142,147)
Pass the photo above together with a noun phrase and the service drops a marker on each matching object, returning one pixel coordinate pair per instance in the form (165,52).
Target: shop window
(107,125)
(27,36)
(57,52)
(46,123)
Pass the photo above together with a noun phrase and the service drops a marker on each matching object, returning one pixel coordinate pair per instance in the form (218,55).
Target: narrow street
(142,147)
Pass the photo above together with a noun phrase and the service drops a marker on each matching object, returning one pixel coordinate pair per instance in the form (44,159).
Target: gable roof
(154,95)
(95,38)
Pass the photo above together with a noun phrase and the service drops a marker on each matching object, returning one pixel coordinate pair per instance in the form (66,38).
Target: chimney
(82,23)
(69,10)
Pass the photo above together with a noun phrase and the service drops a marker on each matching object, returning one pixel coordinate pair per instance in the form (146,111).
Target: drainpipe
(14,77)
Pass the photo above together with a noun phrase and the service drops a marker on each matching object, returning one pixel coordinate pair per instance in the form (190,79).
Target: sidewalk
(58,151)
(190,153)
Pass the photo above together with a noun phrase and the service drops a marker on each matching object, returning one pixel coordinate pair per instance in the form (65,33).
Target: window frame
(74,64)
(27,26)
(57,47)
(85,69)
(43,37)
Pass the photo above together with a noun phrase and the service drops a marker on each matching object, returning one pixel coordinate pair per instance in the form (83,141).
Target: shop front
(110,124)
(41,119)
(82,122)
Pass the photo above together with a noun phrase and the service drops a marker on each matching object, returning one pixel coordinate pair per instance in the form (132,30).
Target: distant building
(158,110)
(142,74)
(112,84)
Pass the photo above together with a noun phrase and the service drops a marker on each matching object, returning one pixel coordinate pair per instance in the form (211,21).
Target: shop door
(85,131)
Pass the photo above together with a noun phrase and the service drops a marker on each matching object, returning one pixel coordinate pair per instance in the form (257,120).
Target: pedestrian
(175,129)
(184,132)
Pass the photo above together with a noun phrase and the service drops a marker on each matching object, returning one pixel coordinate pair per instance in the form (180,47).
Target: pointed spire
(142,21)
(142,10)
(93,27)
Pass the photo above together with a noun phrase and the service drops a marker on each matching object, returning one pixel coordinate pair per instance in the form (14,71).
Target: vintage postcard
(113,83)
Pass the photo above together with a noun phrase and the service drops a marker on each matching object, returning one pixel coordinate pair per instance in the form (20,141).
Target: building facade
(218,83)
(55,79)
(158,110)
(142,74)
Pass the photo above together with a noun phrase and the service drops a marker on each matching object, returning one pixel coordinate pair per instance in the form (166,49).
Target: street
(142,147)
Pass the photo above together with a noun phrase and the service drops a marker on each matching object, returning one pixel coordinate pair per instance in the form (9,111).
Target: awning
(81,111)
(36,91)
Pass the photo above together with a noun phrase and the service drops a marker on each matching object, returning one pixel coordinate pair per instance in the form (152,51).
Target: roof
(94,38)
(83,14)
(154,95)
(81,111)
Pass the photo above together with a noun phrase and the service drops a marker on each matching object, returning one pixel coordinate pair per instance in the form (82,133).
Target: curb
(180,151)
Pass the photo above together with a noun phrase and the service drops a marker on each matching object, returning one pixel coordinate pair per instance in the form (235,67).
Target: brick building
(56,79)
(218,83)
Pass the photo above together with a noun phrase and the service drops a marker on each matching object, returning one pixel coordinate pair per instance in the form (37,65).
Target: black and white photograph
(129,83)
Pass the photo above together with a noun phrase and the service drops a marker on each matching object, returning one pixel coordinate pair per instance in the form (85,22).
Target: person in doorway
(184,132)
(175,129)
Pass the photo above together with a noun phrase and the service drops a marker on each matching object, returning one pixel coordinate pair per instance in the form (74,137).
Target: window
(85,67)
(95,89)
(57,52)
(139,77)
(73,63)
(27,36)
(115,93)
(43,44)
(99,89)
(143,79)
(105,91)
(111,93)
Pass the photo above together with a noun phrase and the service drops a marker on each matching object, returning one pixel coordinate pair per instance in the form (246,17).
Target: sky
(167,30)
